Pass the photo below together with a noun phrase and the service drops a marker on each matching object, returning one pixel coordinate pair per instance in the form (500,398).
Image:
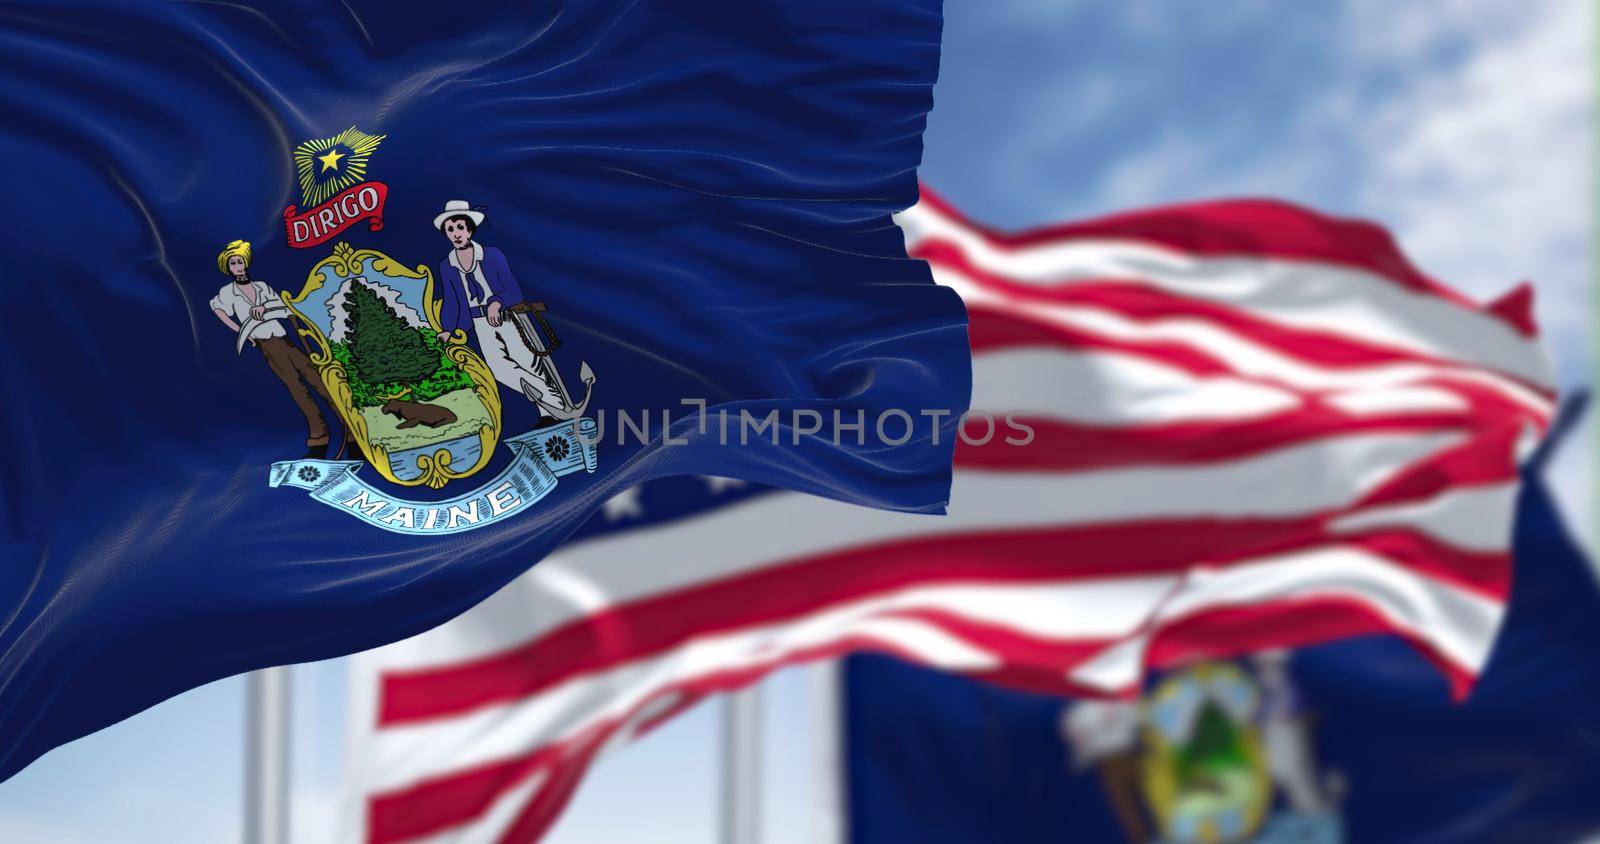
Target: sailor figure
(477,292)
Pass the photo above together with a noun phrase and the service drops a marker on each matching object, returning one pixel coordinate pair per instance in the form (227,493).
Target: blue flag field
(326,320)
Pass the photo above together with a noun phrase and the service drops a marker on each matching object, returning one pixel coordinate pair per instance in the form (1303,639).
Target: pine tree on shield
(384,348)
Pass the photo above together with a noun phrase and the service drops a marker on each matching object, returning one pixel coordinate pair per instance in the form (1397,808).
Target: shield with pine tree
(424,410)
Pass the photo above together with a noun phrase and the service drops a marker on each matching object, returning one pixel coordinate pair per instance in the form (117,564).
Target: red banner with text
(320,224)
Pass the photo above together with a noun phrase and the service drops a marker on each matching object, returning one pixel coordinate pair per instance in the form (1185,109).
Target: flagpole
(266,757)
(827,748)
(1594,278)
(741,767)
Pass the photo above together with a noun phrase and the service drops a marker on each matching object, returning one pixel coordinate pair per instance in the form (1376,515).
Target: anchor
(524,315)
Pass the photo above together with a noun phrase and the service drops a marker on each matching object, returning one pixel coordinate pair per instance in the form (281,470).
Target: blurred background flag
(284,386)
(1246,426)
(1351,741)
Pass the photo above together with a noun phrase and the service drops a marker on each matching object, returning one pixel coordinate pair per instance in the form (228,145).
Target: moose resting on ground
(418,413)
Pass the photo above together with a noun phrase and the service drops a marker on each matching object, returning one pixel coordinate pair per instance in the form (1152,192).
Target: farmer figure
(245,304)
(476,290)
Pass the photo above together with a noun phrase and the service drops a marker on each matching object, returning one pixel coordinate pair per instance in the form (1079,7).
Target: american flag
(1254,426)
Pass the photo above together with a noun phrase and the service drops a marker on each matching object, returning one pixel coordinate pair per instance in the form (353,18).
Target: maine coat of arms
(1215,753)
(412,363)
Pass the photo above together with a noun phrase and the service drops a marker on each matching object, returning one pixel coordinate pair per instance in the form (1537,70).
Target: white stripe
(1080,608)
(1308,478)
(403,754)
(1076,609)
(491,826)
(1459,623)
(1419,398)
(1471,518)
(1105,387)
(1304,294)
(1237,352)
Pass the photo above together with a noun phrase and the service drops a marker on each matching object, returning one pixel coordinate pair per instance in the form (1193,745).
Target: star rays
(350,167)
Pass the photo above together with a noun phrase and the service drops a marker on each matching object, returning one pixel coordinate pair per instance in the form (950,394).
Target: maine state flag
(1354,741)
(325,320)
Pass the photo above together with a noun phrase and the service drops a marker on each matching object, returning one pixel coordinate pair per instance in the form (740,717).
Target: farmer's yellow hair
(238,247)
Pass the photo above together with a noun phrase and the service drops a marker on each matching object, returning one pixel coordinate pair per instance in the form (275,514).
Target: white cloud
(1483,168)
(1177,166)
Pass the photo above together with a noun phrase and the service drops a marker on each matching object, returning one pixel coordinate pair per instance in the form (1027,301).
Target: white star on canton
(716,484)
(624,505)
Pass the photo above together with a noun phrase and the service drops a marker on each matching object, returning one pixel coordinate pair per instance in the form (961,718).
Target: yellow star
(331,160)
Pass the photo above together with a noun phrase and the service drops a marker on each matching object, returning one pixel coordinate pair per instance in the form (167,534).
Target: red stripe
(1487,452)
(794,588)
(537,819)
(1246,228)
(541,812)
(991,329)
(1488,458)
(1226,632)
(1143,302)
(1218,632)
(1060,656)
(452,799)
(462,796)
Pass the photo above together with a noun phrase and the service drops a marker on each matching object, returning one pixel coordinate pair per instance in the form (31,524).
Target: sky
(1462,125)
